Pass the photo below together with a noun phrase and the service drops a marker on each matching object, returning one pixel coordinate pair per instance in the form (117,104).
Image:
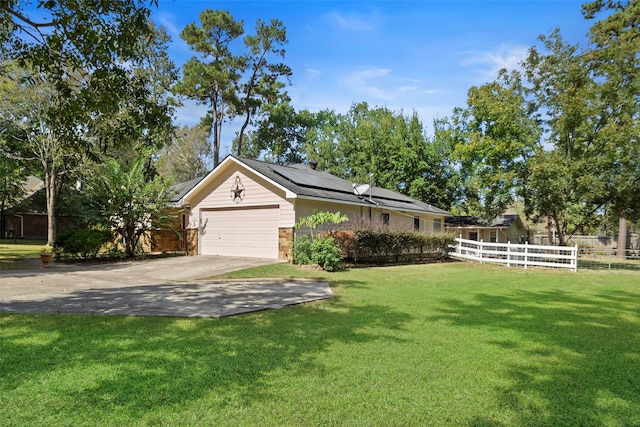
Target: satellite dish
(360,190)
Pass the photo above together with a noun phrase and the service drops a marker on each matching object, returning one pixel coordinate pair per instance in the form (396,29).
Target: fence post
(526,251)
(460,245)
(480,250)
(575,259)
(508,254)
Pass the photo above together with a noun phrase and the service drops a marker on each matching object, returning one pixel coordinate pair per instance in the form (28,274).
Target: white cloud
(313,72)
(487,64)
(369,82)
(356,23)
(167,21)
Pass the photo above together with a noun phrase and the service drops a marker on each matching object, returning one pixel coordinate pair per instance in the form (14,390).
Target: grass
(447,344)
(15,253)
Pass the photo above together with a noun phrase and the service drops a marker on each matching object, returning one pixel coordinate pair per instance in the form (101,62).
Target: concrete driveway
(159,287)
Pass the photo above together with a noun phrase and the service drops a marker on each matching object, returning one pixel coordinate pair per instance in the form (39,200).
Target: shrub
(346,241)
(375,243)
(83,244)
(302,250)
(326,253)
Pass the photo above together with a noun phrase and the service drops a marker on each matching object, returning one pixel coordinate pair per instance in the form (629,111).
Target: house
(503,228)
(28,218)
(249,208)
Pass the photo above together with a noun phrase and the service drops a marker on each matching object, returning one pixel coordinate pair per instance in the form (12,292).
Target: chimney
(313,164)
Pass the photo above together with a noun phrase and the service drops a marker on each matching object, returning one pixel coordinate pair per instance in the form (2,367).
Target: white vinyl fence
(514,255)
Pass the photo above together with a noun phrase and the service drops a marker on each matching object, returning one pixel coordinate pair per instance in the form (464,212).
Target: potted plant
(45,256)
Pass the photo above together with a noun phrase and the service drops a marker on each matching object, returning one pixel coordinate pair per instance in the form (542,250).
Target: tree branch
(25,18)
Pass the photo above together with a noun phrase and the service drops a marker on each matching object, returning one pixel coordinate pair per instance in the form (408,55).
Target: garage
(242,232)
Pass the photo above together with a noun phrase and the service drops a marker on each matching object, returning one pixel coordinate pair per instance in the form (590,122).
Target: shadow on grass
(128,368)
(577,363)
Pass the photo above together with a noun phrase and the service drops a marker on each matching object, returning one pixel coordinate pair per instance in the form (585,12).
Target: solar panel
(324,181)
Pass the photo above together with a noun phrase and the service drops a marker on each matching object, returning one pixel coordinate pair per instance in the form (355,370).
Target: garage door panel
(244,233)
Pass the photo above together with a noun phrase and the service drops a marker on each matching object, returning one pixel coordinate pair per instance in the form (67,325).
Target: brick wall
(34,226)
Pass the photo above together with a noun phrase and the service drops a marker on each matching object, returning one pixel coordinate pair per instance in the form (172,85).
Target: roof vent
(313,164)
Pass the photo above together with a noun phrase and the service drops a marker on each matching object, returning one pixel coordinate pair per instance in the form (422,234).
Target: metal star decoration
(236,192)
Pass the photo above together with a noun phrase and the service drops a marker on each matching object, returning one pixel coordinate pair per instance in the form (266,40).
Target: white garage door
(248,232)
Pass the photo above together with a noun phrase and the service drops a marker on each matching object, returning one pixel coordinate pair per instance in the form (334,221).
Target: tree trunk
(50,182)
(622,237)
(241,134)
(559,231)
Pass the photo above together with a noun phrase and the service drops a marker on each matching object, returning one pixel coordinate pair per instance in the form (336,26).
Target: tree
(187,157)
(57,37)
(142,117)
(12,177)
(389,145)
(42,137)
(614,60)
(281,136)
(12,169)
(494,138)
(230,84)
(262,86)
(568,102)
(122,199)
(212,80)
(84,53)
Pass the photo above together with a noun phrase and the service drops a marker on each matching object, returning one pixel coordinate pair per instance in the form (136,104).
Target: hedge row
(378,244)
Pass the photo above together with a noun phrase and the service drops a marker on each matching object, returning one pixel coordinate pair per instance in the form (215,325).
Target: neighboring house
(28,219)
(249,208)
(504,228)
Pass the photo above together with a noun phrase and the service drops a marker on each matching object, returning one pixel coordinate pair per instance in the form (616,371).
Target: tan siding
(396,219)
(257,192)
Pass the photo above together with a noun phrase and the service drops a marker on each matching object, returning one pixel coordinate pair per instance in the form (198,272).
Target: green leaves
(229,84)
(120,198)
(492,139)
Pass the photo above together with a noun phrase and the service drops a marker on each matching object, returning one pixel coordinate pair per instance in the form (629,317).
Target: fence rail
(611,260)
(516,255)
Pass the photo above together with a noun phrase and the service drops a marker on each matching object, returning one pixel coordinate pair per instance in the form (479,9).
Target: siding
(398,219)
(257,192)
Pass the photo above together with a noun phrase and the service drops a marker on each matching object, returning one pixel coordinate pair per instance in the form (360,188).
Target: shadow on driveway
(163,287)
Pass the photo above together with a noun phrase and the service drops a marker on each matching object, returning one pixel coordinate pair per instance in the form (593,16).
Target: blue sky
(405,55)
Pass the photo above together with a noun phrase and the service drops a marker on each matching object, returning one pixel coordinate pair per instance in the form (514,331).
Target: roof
(31,185)
(501,221)
(182,188)
(308,183)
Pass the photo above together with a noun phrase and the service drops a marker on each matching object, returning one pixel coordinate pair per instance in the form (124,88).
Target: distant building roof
(501,221)
(31,185)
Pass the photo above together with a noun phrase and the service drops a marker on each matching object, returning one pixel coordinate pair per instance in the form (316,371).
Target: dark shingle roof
(307,182)
(183,188)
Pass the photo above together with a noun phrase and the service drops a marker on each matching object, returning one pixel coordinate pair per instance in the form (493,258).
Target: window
(437,225)
(416,223)
(385,219)
(493,237)
(473,235)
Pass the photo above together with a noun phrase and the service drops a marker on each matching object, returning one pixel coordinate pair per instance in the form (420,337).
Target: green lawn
(444,344)
(15,253)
